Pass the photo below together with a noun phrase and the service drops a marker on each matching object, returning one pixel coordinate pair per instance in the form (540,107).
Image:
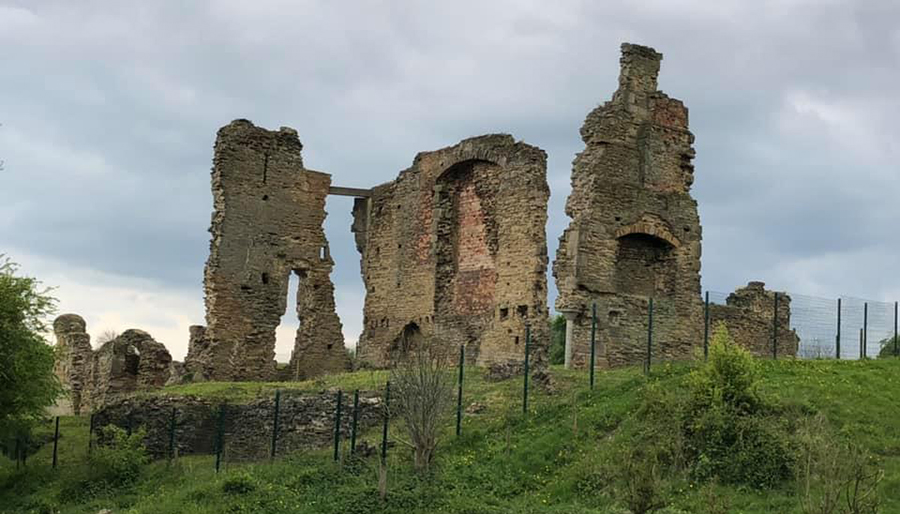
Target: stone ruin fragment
(749,314)
(635,232)
(635,235)
(267,225)
(130,362)
(455,247)
(74,358)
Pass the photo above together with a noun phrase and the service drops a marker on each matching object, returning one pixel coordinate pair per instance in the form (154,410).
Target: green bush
(113,465)
(239,483)
(119,461)
(730,378)
(887,348)
(729,432)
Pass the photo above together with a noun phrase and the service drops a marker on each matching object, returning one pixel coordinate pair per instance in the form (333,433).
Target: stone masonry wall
(130,362)
(748,314)
(635,231)
(305,420)
(455,248)
(267,224)
(74,360)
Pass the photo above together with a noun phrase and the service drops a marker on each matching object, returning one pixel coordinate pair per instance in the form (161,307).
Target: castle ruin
(453,249)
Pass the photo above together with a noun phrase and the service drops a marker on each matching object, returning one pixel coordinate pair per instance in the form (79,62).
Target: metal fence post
(337,426)
(220,435)
(527,355)
(172,433)
(895,330)
(838,337)
(865,336)
(706,327)
(775,329)
(459,393)
(861,336)
(55,440)
(355,421)
(91,434)
(593,341)
(649,336)
(275,422)
(387,416)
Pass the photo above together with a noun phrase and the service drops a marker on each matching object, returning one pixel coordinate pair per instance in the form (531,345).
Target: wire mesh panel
(717,298)
(879,328)
(814,319)
(853,319)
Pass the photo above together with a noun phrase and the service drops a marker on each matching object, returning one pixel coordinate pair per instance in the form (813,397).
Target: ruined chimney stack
(639,68)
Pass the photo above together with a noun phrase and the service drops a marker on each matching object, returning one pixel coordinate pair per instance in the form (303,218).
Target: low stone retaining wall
(305,420)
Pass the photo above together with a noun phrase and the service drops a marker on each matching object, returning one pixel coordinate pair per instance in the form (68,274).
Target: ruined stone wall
(74,360)
(267,224)
(456,247)
(635,231)
(131,361)
(748,314)
(305,420)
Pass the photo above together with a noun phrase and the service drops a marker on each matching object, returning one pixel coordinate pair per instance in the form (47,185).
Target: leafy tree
(28,384)
(888,348)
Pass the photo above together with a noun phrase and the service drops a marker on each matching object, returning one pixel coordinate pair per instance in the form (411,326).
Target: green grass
(555,459)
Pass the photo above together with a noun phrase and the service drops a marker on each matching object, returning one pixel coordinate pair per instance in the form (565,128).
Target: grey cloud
(113,107)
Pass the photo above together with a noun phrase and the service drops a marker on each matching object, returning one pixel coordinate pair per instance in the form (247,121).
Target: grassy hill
(564,456)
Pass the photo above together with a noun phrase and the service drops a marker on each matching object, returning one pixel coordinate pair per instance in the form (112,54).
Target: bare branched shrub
(106,336)
(834,477)
(422,379)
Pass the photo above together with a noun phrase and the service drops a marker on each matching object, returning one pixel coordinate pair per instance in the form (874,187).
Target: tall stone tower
(267,224)
(635,232)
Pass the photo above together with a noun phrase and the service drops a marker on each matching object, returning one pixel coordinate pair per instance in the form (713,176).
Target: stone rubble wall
(748,314)
(305,420)
(130,362)
(455,248)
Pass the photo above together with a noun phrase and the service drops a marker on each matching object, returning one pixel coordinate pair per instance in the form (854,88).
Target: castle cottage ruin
(455,247)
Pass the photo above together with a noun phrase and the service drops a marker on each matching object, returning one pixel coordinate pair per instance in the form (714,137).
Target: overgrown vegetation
(27,382)
(114,465)
(889,348)
(630,445)
(558,339)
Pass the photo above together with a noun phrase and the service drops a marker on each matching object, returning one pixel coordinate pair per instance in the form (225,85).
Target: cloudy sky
(109,111)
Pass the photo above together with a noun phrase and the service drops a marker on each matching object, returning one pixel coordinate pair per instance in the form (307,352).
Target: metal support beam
(349,191)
